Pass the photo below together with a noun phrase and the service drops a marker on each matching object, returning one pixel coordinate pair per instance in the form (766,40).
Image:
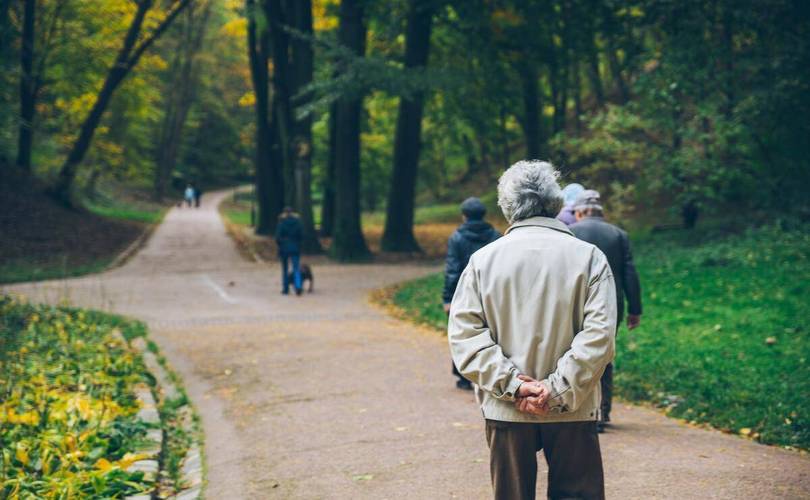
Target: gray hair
(529,188)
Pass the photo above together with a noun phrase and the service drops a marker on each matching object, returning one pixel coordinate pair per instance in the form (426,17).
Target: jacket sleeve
(452,270)
(632,286)
(476,354)
(580,368)
(279,232)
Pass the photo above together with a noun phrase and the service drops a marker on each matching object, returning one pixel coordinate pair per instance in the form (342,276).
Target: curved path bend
(323,396)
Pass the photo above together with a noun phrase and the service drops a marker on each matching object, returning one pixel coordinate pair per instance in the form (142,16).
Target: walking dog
(306,275)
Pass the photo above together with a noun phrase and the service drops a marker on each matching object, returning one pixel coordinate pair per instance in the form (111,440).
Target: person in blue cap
(473,234)
(570,194)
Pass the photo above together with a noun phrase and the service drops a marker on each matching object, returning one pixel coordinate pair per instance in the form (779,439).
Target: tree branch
(143,46)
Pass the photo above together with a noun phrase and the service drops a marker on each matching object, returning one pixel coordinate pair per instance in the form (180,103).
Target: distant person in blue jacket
(289,234)
(470,236)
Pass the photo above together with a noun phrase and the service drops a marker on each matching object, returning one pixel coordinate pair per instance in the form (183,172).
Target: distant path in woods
(324,396)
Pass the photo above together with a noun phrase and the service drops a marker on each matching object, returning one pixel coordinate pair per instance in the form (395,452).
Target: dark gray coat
(615,244)
(465,241)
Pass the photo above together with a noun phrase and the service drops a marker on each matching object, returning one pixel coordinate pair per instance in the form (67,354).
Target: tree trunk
(593,65)
(180,96)
(269,205)
(277,21)
(576,84)
(616,69)
(532,130)
(6,31)
(27,88)
(302,72)
(127,58)
(328,207)
(90,191)
(348,243)
(398,234)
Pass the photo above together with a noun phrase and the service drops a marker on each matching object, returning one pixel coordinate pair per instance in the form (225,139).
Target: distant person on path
(570,193)
(289,234)
(614,243)
(188,195)
(197,196)
(533,324)
(470,236)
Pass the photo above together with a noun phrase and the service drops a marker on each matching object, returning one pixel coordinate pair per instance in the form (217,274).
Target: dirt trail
(323,396)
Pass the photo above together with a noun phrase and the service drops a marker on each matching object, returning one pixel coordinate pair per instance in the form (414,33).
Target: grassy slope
(40,239)
(723,340)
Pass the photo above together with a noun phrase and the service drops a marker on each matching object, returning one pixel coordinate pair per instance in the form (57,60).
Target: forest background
(673,109)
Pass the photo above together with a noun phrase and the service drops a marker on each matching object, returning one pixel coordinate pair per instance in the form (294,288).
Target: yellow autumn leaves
(68,424)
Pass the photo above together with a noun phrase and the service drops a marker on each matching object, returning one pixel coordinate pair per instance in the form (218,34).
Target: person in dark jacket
(592,227)
(470,236)
(289,234)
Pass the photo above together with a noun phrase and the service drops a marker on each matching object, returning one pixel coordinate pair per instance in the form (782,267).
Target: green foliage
(722,339)
(68,415)
(421,301)
(121,211)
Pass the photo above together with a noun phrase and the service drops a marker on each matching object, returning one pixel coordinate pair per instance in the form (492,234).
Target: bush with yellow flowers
(68,424)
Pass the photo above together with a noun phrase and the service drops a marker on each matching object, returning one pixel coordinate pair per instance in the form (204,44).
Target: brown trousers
(607,392)
(571,450)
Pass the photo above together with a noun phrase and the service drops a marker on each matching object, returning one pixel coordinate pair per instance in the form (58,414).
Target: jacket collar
(546,222)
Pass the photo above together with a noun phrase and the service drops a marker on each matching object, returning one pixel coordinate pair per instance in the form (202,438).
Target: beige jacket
(537,302)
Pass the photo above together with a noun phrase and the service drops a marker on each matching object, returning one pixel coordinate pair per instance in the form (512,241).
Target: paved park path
(323,396)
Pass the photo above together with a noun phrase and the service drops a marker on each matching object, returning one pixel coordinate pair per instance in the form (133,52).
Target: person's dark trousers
(607,392)
(286,259)
(607,383)
(571,450)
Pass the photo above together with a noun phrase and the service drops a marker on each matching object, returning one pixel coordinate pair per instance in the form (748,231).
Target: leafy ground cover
(68,425)
(724,339)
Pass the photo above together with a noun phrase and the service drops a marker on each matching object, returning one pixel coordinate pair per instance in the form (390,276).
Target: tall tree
(27,86)
(33,60)
(277,23)
(348,243)
(328,206)
(302,74)
(6,30)
(127,58)
(531,122)
(398,234)
(179,93)
(269,182)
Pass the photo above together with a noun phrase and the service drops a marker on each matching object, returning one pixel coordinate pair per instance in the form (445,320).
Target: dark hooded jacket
(289,234)
(465,241)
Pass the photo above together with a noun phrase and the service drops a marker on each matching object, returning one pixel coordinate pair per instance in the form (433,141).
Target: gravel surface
(324,396)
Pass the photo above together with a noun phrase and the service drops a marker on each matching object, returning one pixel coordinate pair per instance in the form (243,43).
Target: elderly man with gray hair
(532,324)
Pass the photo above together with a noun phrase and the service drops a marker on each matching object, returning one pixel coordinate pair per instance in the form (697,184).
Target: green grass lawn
(723,339)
